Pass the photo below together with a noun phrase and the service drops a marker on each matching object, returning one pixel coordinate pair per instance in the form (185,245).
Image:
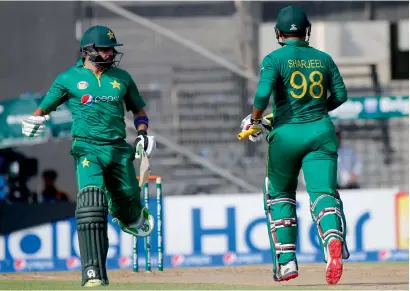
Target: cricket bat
(145,170)
(244,134)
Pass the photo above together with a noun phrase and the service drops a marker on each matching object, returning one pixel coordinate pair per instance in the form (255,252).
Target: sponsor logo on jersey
(82,85)
(87,99)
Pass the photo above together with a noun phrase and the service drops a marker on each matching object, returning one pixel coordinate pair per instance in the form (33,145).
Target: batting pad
(91,216)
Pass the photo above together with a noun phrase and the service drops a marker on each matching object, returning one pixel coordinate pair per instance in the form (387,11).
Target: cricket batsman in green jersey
(300,135)
(96,91)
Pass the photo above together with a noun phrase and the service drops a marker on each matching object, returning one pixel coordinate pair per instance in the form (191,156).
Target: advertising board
(220,230)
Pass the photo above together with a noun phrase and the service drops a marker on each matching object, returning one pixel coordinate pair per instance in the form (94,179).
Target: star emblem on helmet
(110,34)
(115,84)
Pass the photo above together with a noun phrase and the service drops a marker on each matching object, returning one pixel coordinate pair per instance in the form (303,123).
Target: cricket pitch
(356,276)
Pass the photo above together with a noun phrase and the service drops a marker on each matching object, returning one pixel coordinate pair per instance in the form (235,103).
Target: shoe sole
(288,277)
(334,267)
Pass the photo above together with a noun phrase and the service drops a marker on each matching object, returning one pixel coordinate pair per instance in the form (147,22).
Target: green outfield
(356,276)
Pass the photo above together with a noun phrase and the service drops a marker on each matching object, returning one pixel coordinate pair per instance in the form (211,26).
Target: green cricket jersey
(299,77)
(96,103)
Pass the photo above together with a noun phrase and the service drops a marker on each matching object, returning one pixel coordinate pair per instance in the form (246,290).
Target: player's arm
(135,103)
(338,91)
(141,120)
(56,95)
(254,124)
(267,79)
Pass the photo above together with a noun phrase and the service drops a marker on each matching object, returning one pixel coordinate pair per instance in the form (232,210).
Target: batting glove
(34,125)
(263,125)
(145,142)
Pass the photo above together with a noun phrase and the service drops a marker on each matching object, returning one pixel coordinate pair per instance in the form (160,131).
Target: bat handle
(244,134)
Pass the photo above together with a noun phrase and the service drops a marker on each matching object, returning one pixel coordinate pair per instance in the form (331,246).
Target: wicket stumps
(147,240)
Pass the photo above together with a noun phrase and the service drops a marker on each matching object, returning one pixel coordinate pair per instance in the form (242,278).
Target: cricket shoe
(94,283)
(286,272)
(345,252)
(334,266)
(142,227)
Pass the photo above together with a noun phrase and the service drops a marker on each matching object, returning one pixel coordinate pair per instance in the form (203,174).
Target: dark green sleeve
(56,95)
(267,79)
(133,100)
(338,91)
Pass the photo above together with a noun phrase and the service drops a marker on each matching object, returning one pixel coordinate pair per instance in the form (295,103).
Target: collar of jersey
(293,42)
(80,63)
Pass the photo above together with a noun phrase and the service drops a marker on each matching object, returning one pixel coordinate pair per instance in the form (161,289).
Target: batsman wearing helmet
(301,135)
(96,91)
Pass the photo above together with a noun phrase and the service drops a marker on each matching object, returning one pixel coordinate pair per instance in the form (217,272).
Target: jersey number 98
(316,80)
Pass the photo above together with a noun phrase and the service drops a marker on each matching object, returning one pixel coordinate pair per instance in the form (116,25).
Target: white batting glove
(264,127)
(145,142)
(34,125)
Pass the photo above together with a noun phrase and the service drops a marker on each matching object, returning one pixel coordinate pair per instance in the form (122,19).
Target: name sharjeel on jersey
(308,64)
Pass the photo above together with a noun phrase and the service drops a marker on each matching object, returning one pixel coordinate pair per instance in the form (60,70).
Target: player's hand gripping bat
(267,123)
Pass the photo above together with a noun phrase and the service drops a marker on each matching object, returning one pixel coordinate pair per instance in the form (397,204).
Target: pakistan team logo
(82,85)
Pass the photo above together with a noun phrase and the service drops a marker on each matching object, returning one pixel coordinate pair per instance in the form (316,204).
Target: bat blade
(145,169)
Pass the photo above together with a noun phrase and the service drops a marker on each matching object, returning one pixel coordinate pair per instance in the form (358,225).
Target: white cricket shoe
(94,283)
(286,272)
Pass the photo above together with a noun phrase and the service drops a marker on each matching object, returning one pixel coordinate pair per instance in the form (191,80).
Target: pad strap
(279,223)
(285,222)
(323,213)
(284,248)
(275,224)
(272,202)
